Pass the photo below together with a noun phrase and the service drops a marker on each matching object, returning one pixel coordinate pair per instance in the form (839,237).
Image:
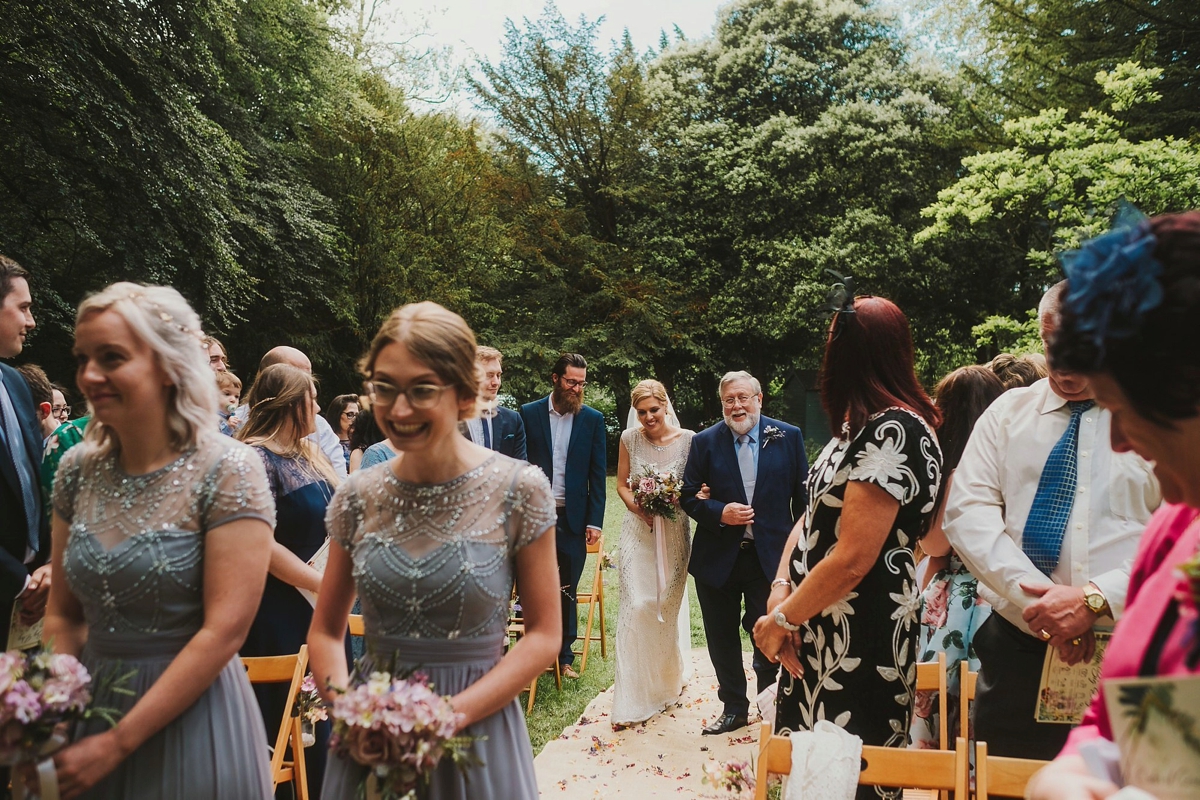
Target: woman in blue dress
(432,541)
(283,409)
(162,532)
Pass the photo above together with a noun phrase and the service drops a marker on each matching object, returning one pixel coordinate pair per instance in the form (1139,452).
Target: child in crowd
(230,387)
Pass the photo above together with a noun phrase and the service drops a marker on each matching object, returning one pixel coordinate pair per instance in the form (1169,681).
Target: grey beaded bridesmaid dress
(135,562)
(433,564)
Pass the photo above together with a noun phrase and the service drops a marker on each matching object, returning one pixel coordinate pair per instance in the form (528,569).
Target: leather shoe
(726,723)
(569,672)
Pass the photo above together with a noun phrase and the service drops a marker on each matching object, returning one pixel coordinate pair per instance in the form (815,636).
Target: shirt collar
(553,410)
(750,433)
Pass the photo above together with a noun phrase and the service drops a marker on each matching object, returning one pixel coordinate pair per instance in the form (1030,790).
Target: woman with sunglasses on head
(161,540)
(842,615)
(432,542)
(1130,322)
(282,414)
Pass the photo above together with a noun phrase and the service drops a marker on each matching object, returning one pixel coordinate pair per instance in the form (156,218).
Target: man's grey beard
(745,426)
(567,402)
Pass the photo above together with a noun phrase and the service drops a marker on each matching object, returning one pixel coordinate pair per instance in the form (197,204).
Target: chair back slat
(931,676)
(1001,776)
(966,695)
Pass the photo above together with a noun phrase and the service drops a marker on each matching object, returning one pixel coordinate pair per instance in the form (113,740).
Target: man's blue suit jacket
(13,519)
(586,456)
(510,434)
(779,497)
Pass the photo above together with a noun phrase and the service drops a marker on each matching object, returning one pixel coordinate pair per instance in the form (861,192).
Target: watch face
(1095,602)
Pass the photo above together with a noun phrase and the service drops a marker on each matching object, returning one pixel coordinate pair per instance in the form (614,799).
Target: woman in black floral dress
(847,582)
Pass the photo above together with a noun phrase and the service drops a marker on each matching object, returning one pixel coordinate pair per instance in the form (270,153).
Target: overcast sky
(476,27)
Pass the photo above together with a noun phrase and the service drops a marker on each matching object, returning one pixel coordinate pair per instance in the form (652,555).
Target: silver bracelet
(781,582)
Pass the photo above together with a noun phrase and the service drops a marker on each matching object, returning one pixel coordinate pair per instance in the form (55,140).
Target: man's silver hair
(739,375)
(1052,302)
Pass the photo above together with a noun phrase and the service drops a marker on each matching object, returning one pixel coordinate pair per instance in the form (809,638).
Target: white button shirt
(993,490)
(561,426)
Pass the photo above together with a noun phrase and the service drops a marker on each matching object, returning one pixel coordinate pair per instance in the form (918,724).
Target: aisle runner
(662,758)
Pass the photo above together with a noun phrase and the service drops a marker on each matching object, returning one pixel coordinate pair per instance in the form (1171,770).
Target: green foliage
(1006,335)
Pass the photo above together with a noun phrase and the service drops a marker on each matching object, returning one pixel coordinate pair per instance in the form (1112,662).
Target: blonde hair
(485,353)
(160,317)
(227,380)
(648,388)
(278,403)
(438,338)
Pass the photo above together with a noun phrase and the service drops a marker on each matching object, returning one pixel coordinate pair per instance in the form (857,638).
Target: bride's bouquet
(657,493)
(400,729)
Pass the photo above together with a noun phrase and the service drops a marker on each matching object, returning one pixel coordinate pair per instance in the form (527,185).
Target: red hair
(868,366)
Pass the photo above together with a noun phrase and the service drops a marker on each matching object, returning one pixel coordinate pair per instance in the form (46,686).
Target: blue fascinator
(1113,280)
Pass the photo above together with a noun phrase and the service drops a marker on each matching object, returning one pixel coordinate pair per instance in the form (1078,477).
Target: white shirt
(475,426)
(993,490)
(561,426)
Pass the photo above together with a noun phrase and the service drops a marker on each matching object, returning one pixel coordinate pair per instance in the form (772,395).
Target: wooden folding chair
(931,676)
(941,770)
(515,630)
(966,696)
(594,599)
(284,669)
(998,776)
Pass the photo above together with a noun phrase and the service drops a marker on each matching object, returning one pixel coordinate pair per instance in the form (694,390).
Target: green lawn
(553,710)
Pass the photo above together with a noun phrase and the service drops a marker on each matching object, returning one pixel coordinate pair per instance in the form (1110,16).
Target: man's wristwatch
(1095,600)
(782,622)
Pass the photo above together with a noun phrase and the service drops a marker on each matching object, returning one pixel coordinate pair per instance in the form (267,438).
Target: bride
(654,628)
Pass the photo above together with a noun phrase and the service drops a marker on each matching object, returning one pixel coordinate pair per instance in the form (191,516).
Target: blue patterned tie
(10,436)
(1047,522)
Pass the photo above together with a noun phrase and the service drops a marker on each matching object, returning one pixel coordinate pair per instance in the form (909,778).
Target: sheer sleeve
(898,453)
(66,483)
(236,488)
(533,511)
(344,514)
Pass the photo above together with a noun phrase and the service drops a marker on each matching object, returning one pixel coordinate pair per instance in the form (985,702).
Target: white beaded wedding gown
(652,656)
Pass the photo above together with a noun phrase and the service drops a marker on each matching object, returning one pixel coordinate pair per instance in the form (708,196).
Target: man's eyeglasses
(422,395)
(573,384)
(60,411)
(741,399)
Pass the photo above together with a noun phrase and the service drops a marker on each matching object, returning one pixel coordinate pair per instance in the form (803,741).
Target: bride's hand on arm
(538,588)
(235,570)
(327,634)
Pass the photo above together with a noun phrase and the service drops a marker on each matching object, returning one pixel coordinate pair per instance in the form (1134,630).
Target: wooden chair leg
(558,674)
(603,634)
(587,635)
(299,769)
(533,693)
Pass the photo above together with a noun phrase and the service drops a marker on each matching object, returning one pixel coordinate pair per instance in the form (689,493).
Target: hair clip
(264,400)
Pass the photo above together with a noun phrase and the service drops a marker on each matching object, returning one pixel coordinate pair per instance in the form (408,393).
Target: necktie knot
(1080,406)
(743,439)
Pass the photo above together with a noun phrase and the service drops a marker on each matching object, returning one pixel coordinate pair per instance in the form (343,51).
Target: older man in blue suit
(755,468)
(24,527)
(566,439)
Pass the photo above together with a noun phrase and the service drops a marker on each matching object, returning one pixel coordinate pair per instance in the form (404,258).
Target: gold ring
(1076,640)
(1045,635)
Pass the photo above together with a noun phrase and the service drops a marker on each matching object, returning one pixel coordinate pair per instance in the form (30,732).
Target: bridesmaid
(283,409)
(161,540)
(432,542)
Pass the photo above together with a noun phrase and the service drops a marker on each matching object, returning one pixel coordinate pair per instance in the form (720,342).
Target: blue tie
(487,433)
(15,445)
(1047,522)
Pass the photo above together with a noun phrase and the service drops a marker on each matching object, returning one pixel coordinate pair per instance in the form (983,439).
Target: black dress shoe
(726,723)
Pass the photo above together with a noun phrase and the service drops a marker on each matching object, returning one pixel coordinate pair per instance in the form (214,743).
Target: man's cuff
(25,588)
(594,528)
(1114,585)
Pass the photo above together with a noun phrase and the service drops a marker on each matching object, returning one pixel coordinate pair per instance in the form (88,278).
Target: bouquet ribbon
(660,559)
(47,782)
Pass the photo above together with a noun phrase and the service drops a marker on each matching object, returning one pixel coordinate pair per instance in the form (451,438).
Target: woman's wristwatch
(782,621)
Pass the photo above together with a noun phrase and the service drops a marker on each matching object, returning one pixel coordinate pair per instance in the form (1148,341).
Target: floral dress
(859,654)
(951,612)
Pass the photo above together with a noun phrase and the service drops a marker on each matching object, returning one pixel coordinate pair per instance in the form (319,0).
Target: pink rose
(936,602)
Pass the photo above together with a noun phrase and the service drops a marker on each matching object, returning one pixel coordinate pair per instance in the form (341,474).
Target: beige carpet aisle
(662,758)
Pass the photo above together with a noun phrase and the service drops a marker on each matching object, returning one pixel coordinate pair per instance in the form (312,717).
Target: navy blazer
(585,465)
(509,433)
(779,497)
(13,514)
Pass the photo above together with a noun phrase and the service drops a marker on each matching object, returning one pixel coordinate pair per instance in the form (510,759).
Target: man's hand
(1059,611)
(737,514)
(33,599)
(593,535)
(1073,653)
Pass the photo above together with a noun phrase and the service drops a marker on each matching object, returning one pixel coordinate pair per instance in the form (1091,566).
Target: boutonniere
(770,434)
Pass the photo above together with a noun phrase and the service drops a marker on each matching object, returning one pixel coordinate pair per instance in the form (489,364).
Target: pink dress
(1169,540)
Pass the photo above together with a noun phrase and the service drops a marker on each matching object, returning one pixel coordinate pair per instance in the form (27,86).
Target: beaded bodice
(135,551)
(668,458)
(436,560)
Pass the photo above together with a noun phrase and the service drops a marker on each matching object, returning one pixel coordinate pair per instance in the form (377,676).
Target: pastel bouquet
(657,493)
(39,692)
(734,776)
(400,729)
(310,708)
